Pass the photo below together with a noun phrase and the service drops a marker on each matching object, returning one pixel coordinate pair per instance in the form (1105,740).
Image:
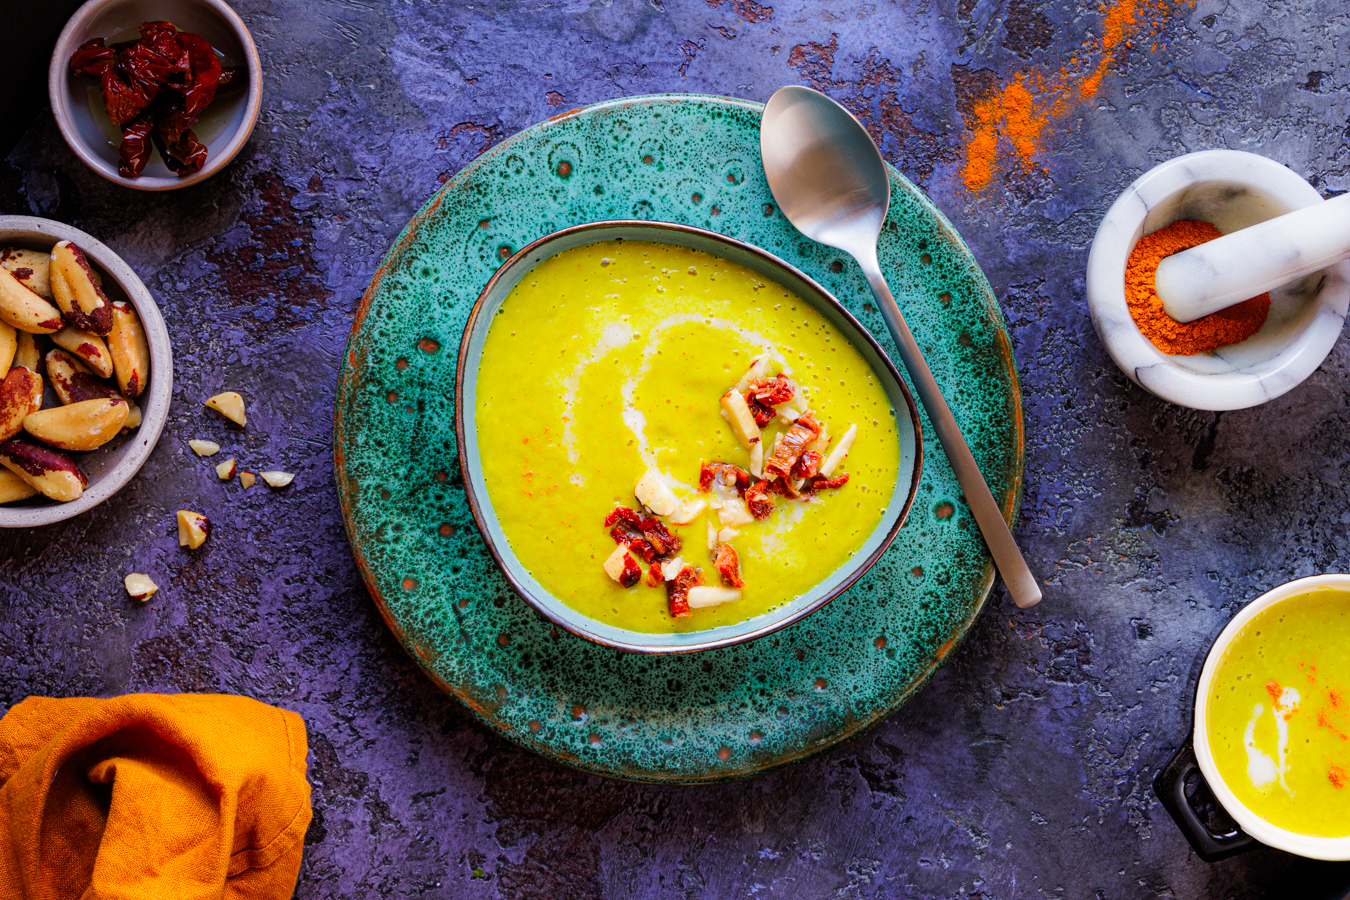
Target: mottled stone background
(1024,769)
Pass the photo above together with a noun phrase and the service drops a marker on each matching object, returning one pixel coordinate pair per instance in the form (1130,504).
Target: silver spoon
(830,182)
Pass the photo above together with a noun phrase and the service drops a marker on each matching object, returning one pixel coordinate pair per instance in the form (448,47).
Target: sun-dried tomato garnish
(728,565)
(824,483)
(726,473)
(205,74)
(93,59)
(763,414)
(624,514)
(660,538)
(632,572)
(135,148)
(655,576)
(807,465)
(677,590)
(773,391)
(757,499)
(798,437)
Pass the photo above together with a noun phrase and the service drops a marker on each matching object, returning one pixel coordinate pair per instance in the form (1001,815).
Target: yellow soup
(1279,714)
(608,360)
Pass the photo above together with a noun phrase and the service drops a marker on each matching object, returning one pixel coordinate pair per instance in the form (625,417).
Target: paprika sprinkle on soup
(1227,326)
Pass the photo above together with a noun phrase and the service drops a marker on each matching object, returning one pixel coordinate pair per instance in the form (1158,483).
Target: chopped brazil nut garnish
(728,565)
(803,432)
(757,499)
(807,465)
(677,590)
(726,473)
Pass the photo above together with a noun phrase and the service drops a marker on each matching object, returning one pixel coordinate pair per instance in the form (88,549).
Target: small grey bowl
(908,469)
(225,125)
(111,466)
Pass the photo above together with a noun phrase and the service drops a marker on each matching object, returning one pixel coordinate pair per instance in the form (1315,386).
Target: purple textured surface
(1023,770)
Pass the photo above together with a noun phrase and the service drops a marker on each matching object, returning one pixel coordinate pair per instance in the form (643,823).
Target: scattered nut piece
(87,425)
(9,345)
(670,569)
(759,367)
(653,492)
(742,420)
(140,587)
(51,472)
(133,417)
(712,533)
(247,479)
(621,566)
(25,310)
(839,452)
(706,595)
(14,488)
(130,350)
(757,458)
(31,267)
(734,512)
(20,397)
(27,354)
(277,479)
(726,534)
(226,470)
(88,347)
(230,405)
(193,528)
(82,302)
(689,510)
(204,448)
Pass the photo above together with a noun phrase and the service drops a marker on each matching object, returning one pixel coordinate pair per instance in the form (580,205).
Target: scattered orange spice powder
(1227,326)
(1011,121)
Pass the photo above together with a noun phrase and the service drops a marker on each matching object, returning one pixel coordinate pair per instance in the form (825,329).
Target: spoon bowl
(829,179)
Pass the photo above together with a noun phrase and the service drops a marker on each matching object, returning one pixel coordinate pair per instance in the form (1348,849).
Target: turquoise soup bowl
(908,469)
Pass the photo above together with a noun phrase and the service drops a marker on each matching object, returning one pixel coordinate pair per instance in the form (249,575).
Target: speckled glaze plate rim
(1010,502)
(699,238)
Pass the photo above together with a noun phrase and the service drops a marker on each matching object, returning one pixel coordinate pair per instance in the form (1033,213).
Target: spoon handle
(1021,583)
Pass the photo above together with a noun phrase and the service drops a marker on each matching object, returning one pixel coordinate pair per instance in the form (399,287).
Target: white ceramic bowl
(111,466)
(225,125)
(1250,822)
(1231,190)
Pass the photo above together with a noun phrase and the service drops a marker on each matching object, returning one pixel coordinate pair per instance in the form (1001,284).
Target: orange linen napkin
(187,797)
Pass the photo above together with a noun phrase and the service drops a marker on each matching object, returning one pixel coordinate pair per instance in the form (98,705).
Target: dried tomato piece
(807,465)
(677,590)
(229,75)
(773,391)
(623,514)
(134,151)
(183,156)
(798,437)
(205,74)
(93,59)
(660,538)
(632,572)
(763,414)
(726,473)
(655,576)
(757,499)
(825,483)
(728,565)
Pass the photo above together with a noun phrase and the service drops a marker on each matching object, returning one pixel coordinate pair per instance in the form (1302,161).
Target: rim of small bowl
(1135,354)
(154,402)
(1326,848)
(58,80)
(574,623)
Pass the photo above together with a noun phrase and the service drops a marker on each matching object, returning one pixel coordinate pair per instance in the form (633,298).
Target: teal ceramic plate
(909,465)
(708,716)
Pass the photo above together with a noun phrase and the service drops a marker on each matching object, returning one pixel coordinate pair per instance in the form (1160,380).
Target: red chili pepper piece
(677,591)
(757,499)
(135,148)
(728,565)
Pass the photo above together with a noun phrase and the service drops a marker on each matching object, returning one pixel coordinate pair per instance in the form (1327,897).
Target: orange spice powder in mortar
(1227,326)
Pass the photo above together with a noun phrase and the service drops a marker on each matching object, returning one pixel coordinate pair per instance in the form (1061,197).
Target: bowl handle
(1170,786)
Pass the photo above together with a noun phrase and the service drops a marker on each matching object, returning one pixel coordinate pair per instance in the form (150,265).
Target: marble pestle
(1251,261)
